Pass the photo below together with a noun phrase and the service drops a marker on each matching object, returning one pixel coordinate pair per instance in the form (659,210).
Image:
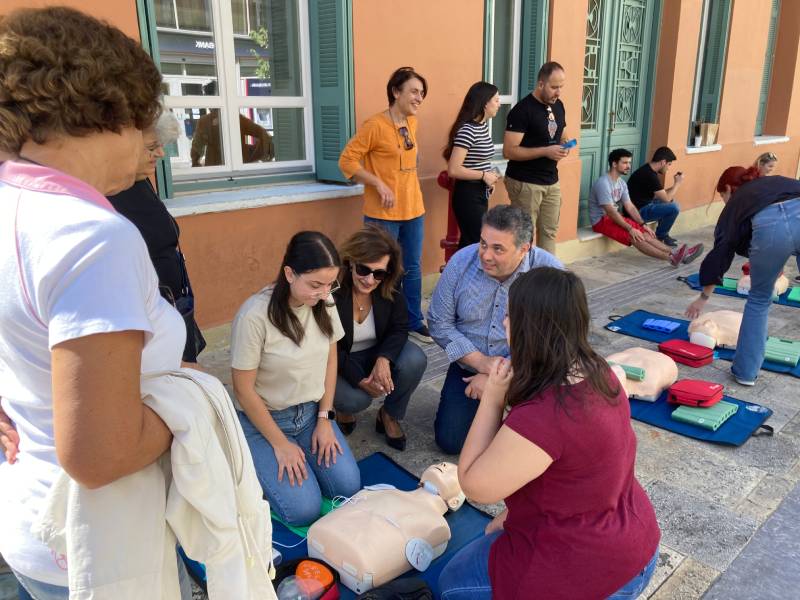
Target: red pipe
(450,242)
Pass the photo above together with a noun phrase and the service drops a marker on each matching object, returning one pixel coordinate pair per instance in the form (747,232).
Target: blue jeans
(466,576)
(407,371)
(776,236)
(300,504)
(31,589)
(456,411)
(664,213)
(410,234)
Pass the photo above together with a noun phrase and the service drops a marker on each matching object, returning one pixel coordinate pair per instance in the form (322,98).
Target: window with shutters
(766,77)
(237,75)
(710,72)
(514,49)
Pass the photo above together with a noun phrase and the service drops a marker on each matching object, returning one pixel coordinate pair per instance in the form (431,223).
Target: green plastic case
(708,418)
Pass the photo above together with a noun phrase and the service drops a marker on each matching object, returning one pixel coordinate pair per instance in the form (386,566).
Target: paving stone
(765,498)
(697,526)
(668,561)
(689,581)
(767,568)
(8,586)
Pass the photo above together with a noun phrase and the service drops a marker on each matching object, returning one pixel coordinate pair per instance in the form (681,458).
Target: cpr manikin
(719,328)
(382,532)
(743,285)
(660,372)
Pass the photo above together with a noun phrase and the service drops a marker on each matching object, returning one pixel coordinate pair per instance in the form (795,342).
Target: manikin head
(442,479)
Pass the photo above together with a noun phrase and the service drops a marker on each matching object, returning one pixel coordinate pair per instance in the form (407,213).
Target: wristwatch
(327,414)
(704,296)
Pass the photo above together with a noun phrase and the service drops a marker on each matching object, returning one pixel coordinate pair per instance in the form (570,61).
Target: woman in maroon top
(577,524)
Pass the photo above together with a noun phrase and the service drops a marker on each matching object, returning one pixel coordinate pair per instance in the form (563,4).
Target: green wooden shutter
(766,77)
(714,60)
(332,83)
(533,43)
(147,32)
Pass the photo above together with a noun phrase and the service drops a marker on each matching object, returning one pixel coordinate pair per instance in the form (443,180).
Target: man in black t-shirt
(653,202)
(535,132)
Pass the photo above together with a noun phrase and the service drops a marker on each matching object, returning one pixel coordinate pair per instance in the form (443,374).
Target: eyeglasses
(407,141)
(153,148)
(365,271)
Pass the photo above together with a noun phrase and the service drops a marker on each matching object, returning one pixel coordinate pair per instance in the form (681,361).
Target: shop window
(766,77)
(712,53)
(246,79)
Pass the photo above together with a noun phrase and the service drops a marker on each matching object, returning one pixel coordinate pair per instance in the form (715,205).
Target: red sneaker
(692,253)
(676,256)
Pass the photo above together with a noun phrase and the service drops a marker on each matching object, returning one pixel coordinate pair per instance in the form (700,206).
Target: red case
(695,392)
(687,353)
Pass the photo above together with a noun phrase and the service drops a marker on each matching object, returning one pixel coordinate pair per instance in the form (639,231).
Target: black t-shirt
(643,184)
(531,118)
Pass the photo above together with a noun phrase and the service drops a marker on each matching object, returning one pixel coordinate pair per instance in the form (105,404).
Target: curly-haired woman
(80,314)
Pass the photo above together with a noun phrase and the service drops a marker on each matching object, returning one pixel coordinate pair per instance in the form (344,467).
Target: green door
(615,108)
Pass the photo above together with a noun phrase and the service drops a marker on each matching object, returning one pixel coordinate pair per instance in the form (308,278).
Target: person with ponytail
(468,154)
(761,220)
(577,523)
(284,365)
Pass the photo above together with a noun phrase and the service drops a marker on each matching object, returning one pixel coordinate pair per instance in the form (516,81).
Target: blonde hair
(765,158)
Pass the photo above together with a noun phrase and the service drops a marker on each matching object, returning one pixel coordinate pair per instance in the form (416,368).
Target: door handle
(612,121)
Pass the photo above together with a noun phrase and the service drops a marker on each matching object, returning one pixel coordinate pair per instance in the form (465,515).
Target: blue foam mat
(466,524)
(693,281)
(631,324)
(734,432)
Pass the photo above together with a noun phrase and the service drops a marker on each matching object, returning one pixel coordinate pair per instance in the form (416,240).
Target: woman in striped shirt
(468,154)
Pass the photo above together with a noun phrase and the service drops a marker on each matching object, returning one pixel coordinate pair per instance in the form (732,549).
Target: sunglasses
(407,141)
(365,271)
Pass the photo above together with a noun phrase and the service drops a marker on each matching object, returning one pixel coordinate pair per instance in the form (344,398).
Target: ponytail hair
(736,177)
(307,251)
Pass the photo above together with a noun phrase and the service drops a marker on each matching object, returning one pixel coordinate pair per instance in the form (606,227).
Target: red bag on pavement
(687,353)
(695,392)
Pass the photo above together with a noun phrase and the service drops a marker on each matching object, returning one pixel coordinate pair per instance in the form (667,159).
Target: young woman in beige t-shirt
(283,358)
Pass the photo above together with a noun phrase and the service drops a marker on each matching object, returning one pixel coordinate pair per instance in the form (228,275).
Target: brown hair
(548,69)
(550,320)
(399,77)
(65,73)
(370,245)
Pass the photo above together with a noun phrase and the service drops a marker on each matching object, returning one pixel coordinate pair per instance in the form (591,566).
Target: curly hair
(65,73)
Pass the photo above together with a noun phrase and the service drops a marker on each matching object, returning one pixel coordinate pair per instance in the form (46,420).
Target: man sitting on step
(609,196)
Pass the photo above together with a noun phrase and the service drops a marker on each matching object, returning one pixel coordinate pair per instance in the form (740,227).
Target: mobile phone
(569,144)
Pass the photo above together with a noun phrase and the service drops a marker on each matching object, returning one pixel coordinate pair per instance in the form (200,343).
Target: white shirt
(71,267)
(364,333)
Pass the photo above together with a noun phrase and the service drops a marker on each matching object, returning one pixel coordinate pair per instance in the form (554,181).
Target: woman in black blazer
(375,357)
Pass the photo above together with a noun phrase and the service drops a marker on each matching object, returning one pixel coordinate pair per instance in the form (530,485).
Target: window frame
(230,102)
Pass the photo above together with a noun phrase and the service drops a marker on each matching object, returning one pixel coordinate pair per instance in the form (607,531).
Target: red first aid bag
(687,353)
(695,392)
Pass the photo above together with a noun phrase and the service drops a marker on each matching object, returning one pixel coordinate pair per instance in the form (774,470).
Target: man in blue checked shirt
(467,311)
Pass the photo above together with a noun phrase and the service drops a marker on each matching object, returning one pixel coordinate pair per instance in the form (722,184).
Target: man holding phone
(654,203)
(535,140)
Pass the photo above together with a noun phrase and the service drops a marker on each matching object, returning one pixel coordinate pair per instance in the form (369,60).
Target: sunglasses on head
(365,271)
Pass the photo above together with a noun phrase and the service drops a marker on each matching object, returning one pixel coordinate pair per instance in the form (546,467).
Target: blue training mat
(693,281)
(734,432)
(631,325)
(466,524)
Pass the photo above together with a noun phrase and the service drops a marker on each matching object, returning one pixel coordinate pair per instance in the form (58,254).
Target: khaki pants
(543,203)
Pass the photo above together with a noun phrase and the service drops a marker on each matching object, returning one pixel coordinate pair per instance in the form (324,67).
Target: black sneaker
(422,334)
(669,241)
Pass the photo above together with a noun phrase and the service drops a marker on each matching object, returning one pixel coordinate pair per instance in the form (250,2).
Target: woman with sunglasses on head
(283,359)
(382,155)
(141,205)
(375,357)
(468,153)
(577,523)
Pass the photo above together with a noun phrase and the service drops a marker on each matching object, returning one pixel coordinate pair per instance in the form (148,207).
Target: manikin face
(311,287)
(499,254)
(550,90)
(622,166)
(368,284)
(409,97)
(491,107)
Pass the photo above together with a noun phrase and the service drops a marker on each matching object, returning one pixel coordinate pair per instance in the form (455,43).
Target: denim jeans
(410,234)
(456,411)
(776,236)
(466,576)
(664,213)
(407,371)
(30,589)
(300,504)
